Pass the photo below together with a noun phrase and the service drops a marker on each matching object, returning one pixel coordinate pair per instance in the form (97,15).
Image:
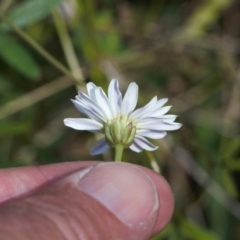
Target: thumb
(105,201)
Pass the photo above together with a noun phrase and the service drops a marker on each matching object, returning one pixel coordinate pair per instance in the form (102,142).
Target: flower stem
(67,46)
(118,153)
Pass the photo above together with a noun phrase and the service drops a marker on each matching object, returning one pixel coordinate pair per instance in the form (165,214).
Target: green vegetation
(187,51)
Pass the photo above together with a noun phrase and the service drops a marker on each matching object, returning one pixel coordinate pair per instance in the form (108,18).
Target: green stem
(5,5)
(118,153)
(153,162)
(38,48)
(67,46)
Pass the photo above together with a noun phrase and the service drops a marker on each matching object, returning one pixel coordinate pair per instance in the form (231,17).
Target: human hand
(83,200)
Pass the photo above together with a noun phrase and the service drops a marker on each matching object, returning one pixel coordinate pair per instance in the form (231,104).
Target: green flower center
(120,132)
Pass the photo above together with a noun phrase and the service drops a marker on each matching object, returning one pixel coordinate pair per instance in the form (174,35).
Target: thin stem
(67,46)
(5,5)
(35,96)
(153,162)
(118,153)
(38,48)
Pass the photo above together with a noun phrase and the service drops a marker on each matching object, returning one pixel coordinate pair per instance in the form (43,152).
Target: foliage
(187,51)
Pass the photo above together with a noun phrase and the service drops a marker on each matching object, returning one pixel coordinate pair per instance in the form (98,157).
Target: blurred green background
(187,51)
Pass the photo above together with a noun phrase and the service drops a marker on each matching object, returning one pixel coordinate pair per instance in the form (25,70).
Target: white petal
(78,106)
(90,89)
(103,102)
(148,123)
(154,134)
(82,124)
(91,105)
(115,97)
(130,99)
(170,126)
(92,113)
(160,112)
(156,124)
(134,147)
(99,147)
(142,143)
(160,103)
(169,117)
(84,98)
(142,112)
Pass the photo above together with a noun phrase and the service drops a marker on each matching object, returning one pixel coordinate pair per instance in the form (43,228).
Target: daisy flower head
(115,117)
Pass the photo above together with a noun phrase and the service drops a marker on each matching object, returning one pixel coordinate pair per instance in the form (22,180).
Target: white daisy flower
(114,116)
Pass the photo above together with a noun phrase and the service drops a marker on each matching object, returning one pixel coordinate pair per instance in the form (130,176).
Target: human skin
(83,200)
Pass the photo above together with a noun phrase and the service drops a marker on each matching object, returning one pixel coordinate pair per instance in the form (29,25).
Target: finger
(15,182)
(118,199)
(166,199)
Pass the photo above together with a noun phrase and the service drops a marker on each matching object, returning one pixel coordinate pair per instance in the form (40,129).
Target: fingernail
(123,189)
